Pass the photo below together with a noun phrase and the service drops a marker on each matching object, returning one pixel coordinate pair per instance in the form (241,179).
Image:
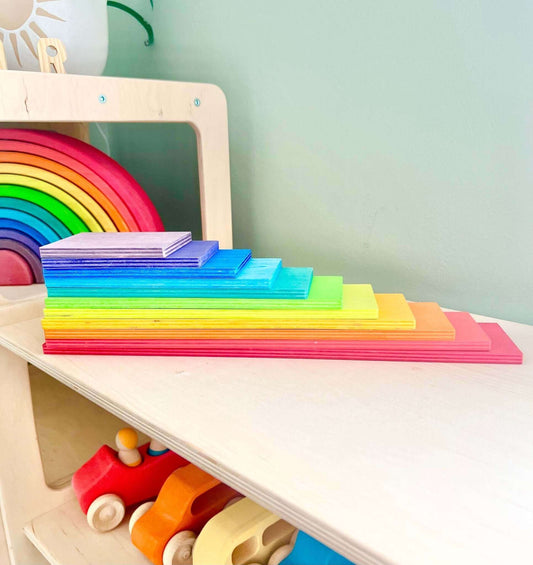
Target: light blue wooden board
(291,282)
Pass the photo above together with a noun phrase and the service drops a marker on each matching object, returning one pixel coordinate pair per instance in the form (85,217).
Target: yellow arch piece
(82,204)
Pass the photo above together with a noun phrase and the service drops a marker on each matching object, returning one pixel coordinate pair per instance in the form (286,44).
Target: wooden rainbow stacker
(131,294)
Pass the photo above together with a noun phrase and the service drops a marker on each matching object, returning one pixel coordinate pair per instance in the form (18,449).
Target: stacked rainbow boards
(53,186)
(163,294)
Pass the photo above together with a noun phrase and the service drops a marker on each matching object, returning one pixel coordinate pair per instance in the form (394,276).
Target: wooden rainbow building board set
(53,186)
(164,294)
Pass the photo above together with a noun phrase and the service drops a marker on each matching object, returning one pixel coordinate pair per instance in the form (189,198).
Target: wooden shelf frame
(388,463)
(49,98)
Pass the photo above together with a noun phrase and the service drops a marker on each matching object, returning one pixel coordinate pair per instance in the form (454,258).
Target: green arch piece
(47,202)
(38,212)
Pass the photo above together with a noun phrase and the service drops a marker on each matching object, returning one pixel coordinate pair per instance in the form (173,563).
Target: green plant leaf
(149,29)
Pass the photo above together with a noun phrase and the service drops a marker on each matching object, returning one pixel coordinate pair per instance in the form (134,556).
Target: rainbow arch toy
(53,186)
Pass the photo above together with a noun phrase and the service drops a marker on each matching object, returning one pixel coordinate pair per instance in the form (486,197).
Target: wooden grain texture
(387,463)
(44,97)
(64,538)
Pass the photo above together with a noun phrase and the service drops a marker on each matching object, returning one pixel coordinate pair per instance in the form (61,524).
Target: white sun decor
(80,24)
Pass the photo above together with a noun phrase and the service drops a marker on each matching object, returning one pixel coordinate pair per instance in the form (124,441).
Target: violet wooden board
(226,263)
(193,255)
(503,350)
(118,244)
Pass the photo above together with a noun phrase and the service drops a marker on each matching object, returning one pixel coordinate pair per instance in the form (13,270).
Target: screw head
(197,102)
(102,99)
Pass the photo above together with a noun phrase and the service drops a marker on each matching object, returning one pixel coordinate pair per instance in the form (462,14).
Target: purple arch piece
(21,238)
(25,252)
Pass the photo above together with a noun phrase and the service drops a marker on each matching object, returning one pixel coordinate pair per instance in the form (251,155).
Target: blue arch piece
(37,211)
(6,224)
(35,223)
(29,242)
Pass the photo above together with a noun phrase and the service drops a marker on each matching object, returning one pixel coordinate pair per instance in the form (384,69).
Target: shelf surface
(388,463)
(64,538)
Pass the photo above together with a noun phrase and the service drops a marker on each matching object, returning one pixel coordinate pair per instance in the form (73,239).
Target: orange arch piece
(72,176)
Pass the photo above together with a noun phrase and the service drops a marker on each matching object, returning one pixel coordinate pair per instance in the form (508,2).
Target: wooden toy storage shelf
(388,463)
(400,463)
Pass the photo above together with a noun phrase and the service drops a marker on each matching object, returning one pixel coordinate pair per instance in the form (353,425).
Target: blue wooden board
(291,282)
(193,255)
(258,273)
(30,220)
(6,224)
(226,263)
(39,212)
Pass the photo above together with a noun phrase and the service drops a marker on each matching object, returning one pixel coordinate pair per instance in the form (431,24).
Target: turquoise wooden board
(31,221)
(291,282)
(227,263)
(37,211)
(258,273)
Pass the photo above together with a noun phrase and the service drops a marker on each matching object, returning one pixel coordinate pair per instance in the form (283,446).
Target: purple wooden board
(118,244)
(32,259)
(193,255)
(21,238)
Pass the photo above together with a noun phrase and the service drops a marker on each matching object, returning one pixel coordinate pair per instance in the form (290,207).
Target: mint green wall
(391,142)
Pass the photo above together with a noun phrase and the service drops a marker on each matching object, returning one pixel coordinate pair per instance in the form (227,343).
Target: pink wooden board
(103,166)
(14,269)
(148,245)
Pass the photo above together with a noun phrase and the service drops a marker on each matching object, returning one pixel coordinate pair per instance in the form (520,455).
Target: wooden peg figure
(3,61)
(47,61)
(126,440)
(156,448)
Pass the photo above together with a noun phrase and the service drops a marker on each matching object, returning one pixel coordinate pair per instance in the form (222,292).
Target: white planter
(80,24)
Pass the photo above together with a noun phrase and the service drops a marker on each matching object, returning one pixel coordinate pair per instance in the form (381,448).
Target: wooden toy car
(105,485)
(165,530)
(305,550)
(242,533)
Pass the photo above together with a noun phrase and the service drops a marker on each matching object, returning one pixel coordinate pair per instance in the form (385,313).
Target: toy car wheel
(178,550)
(106,512)
(280,554)
(233,501)
(140,511)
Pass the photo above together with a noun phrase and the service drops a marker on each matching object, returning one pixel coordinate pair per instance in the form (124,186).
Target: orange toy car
(165,530)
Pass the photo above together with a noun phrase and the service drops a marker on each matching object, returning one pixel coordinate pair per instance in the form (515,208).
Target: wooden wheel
(106,512)
(178,550)
(139,511)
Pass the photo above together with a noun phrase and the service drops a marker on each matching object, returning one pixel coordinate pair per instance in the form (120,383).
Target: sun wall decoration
(81,25)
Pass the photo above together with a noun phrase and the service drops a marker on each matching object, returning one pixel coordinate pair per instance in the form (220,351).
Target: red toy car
(105,486)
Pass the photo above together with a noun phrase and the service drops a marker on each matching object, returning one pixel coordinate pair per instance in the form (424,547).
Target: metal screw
(102,99)
(197,102)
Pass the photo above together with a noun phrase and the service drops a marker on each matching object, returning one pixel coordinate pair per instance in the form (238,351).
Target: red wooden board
(502,350)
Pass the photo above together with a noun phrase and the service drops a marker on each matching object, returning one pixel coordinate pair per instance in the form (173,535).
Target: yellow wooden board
(83,205)
(394,313)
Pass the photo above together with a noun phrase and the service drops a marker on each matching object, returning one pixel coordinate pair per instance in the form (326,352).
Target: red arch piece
(66,161)
(14,269)
(116,176)
(32,260)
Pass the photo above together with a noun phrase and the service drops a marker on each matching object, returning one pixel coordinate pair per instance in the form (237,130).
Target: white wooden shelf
(388,463)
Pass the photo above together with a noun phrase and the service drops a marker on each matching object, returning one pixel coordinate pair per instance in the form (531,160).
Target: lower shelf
(64,538)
